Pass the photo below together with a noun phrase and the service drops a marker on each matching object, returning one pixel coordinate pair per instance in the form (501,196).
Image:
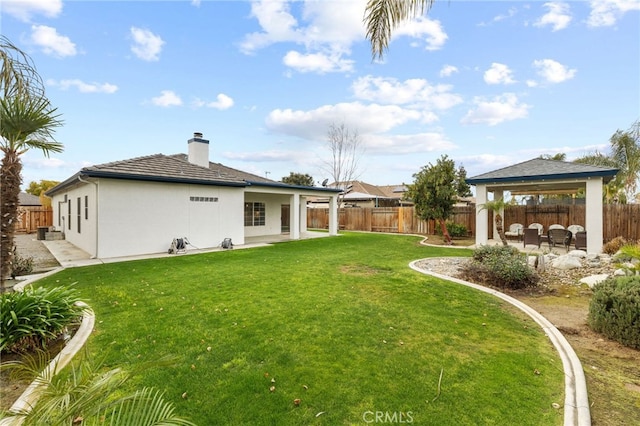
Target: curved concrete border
(576,401)
(29,397)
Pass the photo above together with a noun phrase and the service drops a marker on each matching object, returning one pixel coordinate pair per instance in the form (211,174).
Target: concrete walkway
(68,255)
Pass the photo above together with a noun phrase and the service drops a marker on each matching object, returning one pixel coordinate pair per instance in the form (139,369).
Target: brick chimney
(199,150)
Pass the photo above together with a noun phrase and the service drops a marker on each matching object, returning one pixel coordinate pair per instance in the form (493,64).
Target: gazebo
(542,176)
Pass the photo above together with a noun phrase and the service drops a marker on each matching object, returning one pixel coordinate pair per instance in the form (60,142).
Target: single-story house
(361,194)
(139,205)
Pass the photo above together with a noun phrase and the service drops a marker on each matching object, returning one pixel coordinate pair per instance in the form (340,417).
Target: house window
(254,214)
(86,207)
(69,214)
(79,213)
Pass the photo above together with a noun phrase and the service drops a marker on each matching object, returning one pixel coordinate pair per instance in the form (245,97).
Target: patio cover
(542,176)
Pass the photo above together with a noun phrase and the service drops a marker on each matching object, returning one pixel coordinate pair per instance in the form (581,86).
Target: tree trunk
(445,233)
(500,229)
(10,181)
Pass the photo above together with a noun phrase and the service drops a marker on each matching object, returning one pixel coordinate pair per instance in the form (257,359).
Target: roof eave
(606,175)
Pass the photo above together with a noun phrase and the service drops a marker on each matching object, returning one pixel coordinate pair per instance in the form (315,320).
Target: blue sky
(487,83)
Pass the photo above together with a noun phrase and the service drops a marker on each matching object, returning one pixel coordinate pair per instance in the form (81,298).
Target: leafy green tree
(383,16)
(27,121)
(39,188)
(298,179)
(435,190)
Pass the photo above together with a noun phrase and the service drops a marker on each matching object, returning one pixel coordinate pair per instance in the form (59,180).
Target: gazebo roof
(542,175)
(543,169)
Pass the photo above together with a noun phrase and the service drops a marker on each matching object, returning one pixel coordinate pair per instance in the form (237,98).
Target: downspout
(96,210)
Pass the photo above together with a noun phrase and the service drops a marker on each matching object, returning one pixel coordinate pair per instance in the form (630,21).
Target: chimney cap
(197,135)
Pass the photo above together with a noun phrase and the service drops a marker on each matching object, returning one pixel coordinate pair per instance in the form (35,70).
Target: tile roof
(160,167)
(543,169)
(223,170)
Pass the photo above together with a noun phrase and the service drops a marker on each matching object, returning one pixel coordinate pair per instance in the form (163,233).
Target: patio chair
(575,229)
(537,226)
(559,237)
(556,226)
(581,240)
(531,236)
(515,230)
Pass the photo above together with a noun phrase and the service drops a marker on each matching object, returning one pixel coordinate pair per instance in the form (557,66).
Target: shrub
(614,245)
(614,310)
(500,266)
(454,229)
(21,265)
(31,318)
(486,252)
(628,258)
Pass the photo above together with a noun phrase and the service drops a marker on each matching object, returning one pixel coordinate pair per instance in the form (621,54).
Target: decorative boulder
(566,262)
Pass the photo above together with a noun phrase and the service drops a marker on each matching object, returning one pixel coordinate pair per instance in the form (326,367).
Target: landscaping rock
(594,279)
(566,262)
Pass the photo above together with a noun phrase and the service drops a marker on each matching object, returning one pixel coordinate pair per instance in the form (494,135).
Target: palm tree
(88,395)
(383,16)
(27,121)
(625,150)
(497,207)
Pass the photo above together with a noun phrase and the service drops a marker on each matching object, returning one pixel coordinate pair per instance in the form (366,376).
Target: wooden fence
(30,218)
(618,219)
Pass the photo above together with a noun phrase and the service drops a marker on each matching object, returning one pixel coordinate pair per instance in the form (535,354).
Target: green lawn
(343,324)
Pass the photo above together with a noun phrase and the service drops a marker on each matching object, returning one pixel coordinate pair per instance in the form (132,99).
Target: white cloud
(277,24)
(407,144)
(510,14)
(448,70)
(492,112)
(553,71)
(498,74)
(146,45)
(313,124)
(84,87)
(416,92)
(422,28)
(25,9)
(558,16)
(605,13)
(317,62)
(52,43)
(222,102)
(167,98)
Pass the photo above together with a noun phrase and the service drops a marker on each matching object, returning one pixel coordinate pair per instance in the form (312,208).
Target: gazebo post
(593,215)
(482,215)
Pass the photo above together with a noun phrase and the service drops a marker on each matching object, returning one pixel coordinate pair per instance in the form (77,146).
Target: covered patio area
(544,177)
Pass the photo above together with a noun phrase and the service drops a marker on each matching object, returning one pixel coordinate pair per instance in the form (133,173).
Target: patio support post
(333,215)
(593,215)
(294,213)
(482,215)
(303,215)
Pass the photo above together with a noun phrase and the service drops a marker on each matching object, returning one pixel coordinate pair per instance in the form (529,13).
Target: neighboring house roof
(25,199)
(394,191)
(543,169)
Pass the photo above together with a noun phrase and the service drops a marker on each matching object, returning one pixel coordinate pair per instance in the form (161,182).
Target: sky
(487,83)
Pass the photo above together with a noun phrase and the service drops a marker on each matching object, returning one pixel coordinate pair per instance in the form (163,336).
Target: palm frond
(383,16)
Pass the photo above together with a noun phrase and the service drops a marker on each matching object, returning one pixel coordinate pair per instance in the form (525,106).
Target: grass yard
(342,324)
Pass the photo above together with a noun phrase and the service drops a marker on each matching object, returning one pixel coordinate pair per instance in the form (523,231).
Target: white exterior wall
(86,237)
(144,217)
(273,212)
